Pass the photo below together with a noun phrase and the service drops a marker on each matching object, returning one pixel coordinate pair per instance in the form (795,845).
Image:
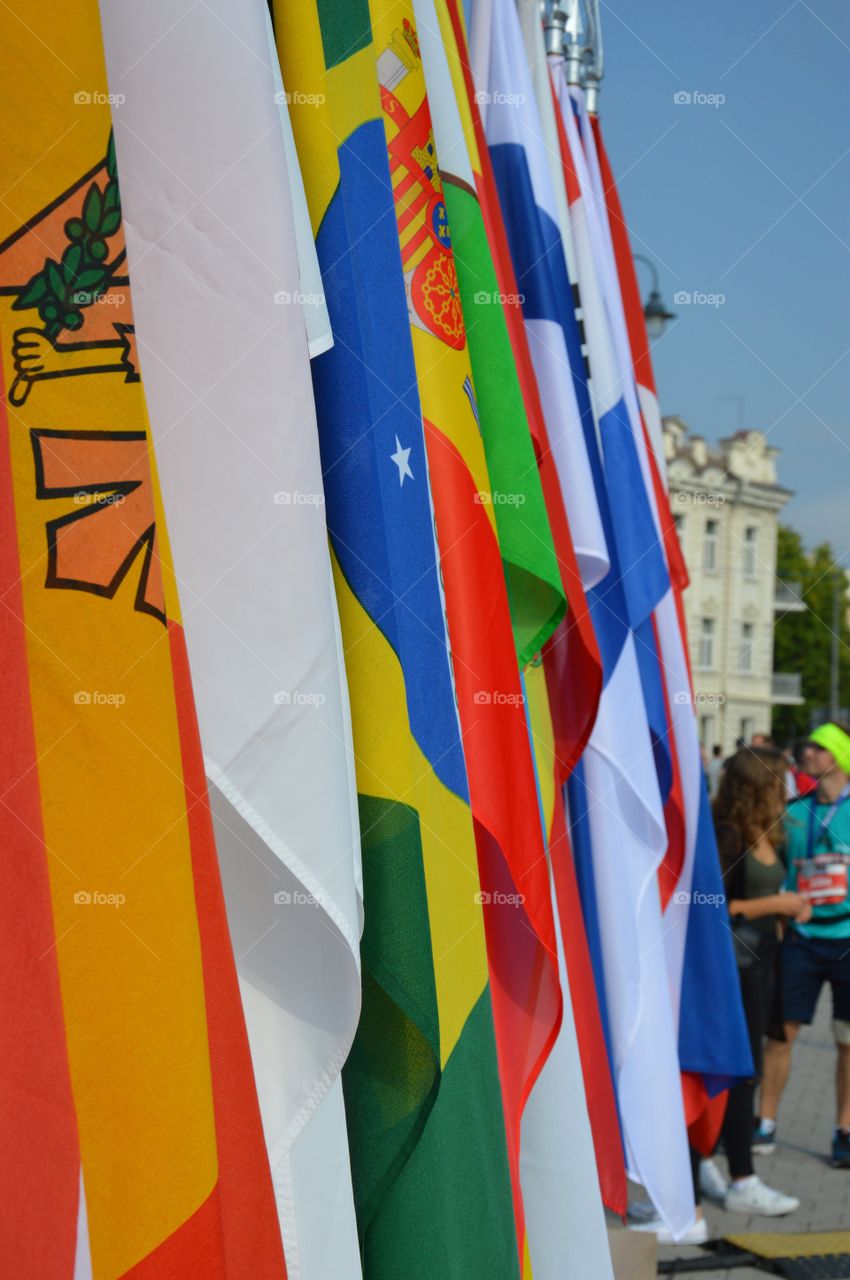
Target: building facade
(726,503)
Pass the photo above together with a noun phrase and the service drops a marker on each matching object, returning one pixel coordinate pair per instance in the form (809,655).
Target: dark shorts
(807,963)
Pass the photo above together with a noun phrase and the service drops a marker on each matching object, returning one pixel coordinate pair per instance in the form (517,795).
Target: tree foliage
(803,641)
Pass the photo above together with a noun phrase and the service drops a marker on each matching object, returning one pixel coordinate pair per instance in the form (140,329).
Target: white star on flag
(400,458)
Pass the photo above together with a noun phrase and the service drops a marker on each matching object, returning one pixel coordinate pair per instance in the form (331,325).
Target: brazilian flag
(426,1125)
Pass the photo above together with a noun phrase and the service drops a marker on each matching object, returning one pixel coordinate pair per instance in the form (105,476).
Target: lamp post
(655,312)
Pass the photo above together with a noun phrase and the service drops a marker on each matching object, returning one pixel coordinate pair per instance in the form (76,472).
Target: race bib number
(822,881)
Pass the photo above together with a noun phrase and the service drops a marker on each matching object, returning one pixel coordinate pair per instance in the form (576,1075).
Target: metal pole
(833,657)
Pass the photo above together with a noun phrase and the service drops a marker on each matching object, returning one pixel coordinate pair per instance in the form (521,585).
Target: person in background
(816,949)
(748,812)
(714,768)
(801,767)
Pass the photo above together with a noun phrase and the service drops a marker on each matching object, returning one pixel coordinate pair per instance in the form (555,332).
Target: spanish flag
(131,1135)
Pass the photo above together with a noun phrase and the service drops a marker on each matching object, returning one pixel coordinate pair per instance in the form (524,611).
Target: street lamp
(655,312)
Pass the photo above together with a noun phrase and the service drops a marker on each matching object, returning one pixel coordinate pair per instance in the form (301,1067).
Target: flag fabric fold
(618,798)
(713,1051)
(211,240)
(505,91)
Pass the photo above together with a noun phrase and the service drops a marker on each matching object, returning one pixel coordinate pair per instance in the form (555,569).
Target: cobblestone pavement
(800,1165)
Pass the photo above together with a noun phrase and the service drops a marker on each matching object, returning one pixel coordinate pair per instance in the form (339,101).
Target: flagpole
(583,54)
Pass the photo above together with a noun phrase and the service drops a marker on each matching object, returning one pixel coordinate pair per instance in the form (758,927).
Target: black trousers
(757,990)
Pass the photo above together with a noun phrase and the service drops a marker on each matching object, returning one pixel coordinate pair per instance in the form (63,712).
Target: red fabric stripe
(595,1067)
(638,344)
(40,1166)
(638,339)
(703,1114)
(525,986)
(674,807)
(195,1249)
(571,181)
(245,1214)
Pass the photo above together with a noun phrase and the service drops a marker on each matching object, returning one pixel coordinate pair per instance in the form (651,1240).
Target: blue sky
(749,199)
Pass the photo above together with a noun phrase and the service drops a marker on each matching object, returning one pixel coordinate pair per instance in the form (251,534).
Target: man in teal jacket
(817,946)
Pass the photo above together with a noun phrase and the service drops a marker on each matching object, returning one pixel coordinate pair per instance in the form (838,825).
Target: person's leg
(803,976)
(840,983)
(777,1066)
(842,1086)
(695,1161)
(738,1129)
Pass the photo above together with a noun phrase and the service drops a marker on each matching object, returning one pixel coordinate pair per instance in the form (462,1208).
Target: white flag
(206,197)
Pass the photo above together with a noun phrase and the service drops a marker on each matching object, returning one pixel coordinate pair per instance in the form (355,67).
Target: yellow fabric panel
(391,765)
(106,729)
(543,738)
(325,106)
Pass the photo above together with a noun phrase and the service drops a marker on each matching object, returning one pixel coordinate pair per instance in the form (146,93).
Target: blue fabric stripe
(381,527)
(713,1036)
(642,563)
(649,664)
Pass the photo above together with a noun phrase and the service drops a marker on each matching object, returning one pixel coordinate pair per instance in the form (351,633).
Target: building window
(706,644)
(679,521)
(751,535)
(748,728)
(711,546)
(706,731)
(745,653)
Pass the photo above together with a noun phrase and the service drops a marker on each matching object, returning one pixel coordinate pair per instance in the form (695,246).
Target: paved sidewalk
(800,1165)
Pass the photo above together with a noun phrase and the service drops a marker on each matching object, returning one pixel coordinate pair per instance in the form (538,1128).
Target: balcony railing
(786,688)
(787,597)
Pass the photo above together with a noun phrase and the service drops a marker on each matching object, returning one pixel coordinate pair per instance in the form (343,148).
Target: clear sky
(749,199)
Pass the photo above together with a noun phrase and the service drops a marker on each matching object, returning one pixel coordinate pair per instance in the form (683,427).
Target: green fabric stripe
(391,1076)
(451,1218)
(531,564)
(346,28)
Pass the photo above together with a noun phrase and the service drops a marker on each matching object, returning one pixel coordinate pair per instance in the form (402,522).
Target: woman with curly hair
(748,812)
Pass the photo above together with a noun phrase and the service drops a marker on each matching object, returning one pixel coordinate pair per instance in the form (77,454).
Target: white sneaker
(712,1183)
(754,1197)
(697,1232)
